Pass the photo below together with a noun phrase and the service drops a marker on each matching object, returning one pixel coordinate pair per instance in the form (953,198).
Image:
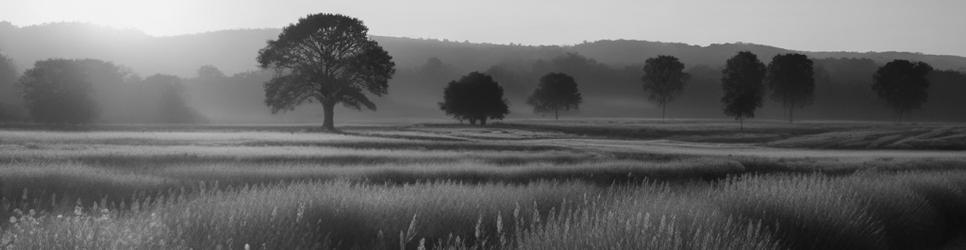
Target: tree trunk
(791,115)
(473,121)
(482,121)
(328,111)
(663,112)
(556,114)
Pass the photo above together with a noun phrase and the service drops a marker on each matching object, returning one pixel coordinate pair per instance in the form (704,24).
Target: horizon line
(141,31)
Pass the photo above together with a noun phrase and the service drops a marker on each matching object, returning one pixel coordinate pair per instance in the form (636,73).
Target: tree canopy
(742,84)
(555,92)
(58,91)
(791,81)
(903,85)
(664,79)
(325,58)
(475,97)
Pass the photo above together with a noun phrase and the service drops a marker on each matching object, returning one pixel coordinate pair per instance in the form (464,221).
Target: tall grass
(271,190)
(864,211)
(805,212)
(307,215)
(647,220)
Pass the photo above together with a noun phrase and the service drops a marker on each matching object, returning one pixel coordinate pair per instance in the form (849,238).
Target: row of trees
(70,91)
(789,77)
(329,59)
(476,97)
(902,84)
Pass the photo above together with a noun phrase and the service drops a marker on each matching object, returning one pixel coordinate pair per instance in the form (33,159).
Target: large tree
(664,79)
(741,81)
(325,58)
(58,91)
(476,97)
(903,85)
(555,92)
(792,82)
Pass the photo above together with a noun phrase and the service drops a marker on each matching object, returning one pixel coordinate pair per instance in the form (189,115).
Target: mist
(218,80)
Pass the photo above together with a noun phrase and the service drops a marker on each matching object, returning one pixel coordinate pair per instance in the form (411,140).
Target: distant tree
(903,85)
(791,78)
(10,100)
(476,97)
(166,96)
(325,58)
(58,91)
(432,65)
(113,89)
(434,70)
(664,79)
(210,72)
(8,79)
(742,84)
(555,92)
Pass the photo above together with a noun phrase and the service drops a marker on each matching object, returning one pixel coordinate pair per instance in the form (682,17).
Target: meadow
(526,185)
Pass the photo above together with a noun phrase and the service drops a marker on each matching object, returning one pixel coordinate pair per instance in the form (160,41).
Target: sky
(927,26)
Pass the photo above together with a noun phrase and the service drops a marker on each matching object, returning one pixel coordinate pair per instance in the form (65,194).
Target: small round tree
(792,82)
(664,80)
(58,91)
(903,85)
(556,92)
(742,84)
(476,97)
(325,58)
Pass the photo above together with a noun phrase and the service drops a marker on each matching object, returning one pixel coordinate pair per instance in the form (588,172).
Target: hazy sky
(929,26)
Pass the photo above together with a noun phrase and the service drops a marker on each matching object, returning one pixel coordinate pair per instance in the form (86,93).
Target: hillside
(234,51)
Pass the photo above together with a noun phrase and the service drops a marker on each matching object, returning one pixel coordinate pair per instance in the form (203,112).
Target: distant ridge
(234,51)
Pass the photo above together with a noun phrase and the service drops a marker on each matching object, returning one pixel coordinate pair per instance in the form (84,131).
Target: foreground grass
(274,190)
(865,211)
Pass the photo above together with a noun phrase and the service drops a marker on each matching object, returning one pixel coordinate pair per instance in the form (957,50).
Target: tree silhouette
(903,85)
(742,84)
(556,91)
(792,82)
(476,97)
(58,91)
(325,58)
(664,80)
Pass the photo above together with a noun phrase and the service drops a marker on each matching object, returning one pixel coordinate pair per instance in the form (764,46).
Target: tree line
(745,80)
(78,91)
(330,60)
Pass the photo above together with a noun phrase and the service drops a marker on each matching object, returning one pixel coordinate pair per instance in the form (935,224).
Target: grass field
(621,184)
